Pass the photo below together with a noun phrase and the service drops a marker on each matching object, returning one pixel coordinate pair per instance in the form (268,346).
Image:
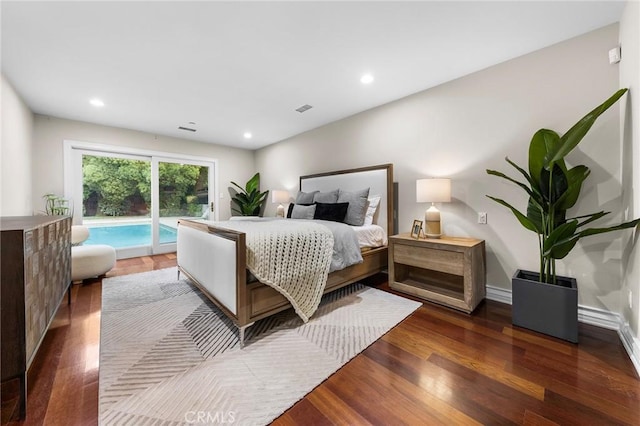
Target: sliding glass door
(183,192)
(133,201)
(116,200)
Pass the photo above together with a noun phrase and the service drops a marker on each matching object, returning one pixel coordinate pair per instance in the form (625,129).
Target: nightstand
(448,270)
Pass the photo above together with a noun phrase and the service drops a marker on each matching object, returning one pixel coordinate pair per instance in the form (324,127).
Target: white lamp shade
(433,190)
(279,196)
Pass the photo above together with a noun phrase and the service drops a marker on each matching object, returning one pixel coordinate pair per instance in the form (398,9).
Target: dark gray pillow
(357,205)
(326,197)
(303,212)
(305,197)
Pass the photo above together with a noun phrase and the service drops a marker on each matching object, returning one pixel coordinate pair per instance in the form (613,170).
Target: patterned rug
(169,356)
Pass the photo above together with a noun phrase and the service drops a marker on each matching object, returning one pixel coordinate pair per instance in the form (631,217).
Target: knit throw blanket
(289,256)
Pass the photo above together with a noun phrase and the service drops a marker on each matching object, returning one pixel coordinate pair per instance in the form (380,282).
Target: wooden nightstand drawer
(450,262)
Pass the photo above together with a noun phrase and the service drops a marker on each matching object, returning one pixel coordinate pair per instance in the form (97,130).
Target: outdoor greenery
(553,189)
(114,183)
(249,201)
(122,187)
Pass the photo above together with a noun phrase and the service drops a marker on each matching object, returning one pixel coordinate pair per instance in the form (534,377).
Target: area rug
(169,356)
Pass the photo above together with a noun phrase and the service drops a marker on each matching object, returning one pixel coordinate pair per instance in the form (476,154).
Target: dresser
(35,256)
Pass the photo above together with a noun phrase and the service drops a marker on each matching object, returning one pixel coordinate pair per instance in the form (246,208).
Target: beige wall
(461,128)
(630,77)
(50,132)
(15,154)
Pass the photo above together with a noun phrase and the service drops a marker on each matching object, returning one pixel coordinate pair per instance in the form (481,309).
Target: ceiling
(236,67)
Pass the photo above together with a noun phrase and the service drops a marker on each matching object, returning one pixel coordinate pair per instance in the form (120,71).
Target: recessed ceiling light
(247,135)
(96,102)
(366,79)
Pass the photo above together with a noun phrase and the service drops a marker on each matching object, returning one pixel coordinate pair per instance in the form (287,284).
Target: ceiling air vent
(304,108)
(188,129)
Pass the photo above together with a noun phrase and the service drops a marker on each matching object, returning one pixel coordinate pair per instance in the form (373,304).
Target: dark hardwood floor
(439,366)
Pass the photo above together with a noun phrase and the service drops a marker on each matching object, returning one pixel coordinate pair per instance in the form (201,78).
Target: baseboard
(599,317)
(499,294)
(593,316)
(631,344)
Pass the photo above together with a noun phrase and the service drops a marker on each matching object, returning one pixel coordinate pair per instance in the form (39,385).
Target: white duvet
(370,236)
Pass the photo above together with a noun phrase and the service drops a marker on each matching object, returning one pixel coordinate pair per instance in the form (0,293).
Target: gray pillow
(303,212)
(357,209)
(305,197)
(330,197)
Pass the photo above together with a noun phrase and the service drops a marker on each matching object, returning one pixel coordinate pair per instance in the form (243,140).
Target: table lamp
(433,191)
(279,196)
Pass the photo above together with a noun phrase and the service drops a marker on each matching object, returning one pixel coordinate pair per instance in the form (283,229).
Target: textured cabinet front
(36,273)
(47,276)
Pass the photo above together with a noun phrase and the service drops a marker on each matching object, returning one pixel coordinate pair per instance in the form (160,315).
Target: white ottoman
(89,261)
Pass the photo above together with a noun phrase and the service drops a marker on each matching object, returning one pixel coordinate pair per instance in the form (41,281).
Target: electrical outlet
(482,218)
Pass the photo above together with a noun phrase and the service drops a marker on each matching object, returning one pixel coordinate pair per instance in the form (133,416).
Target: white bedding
(370,236)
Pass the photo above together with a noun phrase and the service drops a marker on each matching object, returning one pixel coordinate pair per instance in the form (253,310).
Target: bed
(214,256)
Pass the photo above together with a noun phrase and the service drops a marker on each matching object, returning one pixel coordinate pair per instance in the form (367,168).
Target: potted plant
(543,301)
(55,205)
(249,201)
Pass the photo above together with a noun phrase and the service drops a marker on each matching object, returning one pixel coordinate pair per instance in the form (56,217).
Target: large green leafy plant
(553,189)
(248,201)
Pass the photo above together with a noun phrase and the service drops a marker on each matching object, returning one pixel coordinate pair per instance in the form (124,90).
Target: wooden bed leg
(241,330)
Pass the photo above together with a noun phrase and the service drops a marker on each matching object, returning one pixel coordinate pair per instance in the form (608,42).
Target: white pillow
(372,206)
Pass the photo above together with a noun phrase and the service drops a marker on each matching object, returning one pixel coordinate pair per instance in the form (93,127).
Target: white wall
(630,121)
(461,128)
(15,153)
(50,132)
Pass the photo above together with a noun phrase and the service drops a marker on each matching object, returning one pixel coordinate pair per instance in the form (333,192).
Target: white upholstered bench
(89,261)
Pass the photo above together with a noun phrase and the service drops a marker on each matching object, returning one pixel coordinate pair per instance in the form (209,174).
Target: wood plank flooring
(439,366)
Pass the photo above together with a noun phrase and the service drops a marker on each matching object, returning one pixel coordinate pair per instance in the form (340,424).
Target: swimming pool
(121,236)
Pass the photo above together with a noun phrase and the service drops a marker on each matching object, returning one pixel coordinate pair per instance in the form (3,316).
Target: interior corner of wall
(631,343)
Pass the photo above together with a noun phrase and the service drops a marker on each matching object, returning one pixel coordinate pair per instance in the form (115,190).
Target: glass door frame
(159,248)
(73,152)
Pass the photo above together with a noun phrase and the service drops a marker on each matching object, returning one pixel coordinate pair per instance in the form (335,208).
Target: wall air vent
(187,129)
(304,108)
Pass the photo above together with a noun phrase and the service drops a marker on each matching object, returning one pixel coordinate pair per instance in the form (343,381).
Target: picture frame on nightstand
(416,228)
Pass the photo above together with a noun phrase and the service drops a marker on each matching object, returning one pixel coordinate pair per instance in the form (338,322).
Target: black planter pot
(546,308)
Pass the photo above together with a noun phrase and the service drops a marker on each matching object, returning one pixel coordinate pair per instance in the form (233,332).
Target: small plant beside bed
(249,201)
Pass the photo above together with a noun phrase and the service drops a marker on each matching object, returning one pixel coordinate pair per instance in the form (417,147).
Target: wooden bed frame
(255,300)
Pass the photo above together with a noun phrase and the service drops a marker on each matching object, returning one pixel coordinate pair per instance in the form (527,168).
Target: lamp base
(432,230)
(432,223)
(280,211)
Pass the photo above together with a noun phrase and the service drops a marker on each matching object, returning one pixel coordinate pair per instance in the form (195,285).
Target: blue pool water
(121,236)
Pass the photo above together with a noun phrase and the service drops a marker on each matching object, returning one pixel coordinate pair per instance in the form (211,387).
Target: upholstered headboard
(378,178)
